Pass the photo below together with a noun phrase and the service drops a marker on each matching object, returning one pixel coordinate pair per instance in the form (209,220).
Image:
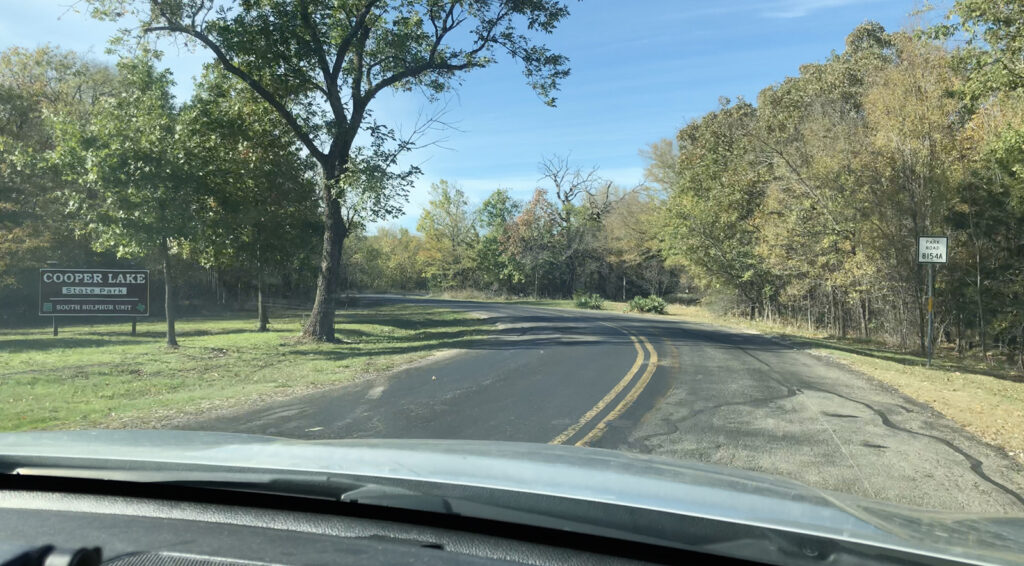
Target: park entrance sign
(93,292)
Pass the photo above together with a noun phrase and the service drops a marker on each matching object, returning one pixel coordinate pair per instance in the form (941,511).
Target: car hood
(538,479)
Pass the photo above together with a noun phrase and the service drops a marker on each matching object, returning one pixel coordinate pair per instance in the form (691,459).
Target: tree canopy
(319,64)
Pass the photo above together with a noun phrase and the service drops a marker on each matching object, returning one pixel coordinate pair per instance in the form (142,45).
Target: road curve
(662,386)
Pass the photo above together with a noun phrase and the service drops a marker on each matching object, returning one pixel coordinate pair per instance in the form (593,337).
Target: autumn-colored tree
(531,244)
(35,85)
(449,235)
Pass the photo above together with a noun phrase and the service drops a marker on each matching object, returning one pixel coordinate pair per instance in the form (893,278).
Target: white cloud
(801,8)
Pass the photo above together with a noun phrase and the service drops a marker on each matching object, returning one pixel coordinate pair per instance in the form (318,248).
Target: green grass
(100,376)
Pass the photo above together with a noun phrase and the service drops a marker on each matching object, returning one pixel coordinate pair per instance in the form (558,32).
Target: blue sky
(640,71)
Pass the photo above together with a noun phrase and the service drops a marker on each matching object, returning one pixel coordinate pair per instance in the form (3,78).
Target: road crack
(976,465)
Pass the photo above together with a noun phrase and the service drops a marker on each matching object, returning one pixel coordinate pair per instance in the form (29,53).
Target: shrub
(591,301)
(652,303)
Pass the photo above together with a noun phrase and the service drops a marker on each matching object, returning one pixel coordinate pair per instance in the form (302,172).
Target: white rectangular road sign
(931,249)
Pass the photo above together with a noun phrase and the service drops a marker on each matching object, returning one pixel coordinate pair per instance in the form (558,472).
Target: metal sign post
(931,310)
(931,250)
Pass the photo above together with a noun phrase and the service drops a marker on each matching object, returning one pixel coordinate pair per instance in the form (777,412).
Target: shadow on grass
(41,343)
(159,334)
(104,338)
(410,322)
(902,358)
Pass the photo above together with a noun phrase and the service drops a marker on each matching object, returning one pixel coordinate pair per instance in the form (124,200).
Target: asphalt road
(661,386)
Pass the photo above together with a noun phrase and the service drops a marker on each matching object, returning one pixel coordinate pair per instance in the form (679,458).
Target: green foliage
(128,165)
(390,260)
(649,304)
(256,197)
(597,236)
(591,301)
(531,245)
(132,189)
(631,246)
(34,86)
(993,54)
(719,186)
(449,237)
(319,64)
(809,205)
(492,262)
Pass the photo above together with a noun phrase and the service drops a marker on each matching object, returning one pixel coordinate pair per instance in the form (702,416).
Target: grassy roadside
(985,399)
(100,376)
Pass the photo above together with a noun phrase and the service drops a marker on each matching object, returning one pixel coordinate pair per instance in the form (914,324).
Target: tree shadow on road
(436,331)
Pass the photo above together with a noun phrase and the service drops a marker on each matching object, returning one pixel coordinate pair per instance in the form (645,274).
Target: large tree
(35,84)
(530,242)
(812,130)
(320,64)
(717,190)
(582,197)
(493,217)
(259,207)
(131,188)
(449,236)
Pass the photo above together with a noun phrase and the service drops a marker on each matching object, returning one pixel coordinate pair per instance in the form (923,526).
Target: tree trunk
(977,275)
(320,325)
(864,317)
(981,310)
(809,327)
(960,334)
(261,309)
(829,327)
(1020,348)
(841,313)
(165,255)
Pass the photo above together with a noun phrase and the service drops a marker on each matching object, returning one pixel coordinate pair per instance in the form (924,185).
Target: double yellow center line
(626,401)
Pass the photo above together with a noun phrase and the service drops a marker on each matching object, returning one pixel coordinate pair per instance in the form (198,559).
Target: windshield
(771,236)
